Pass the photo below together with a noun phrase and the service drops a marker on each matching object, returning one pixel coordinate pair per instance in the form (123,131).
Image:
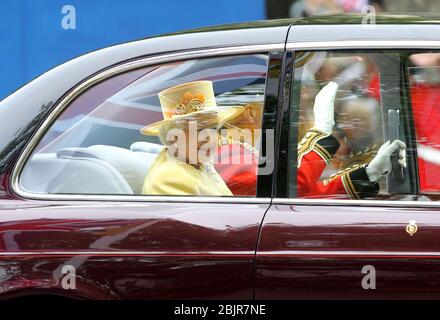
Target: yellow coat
(169,176)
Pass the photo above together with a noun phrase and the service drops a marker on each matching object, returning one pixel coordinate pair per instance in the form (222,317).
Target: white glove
(381,163)
(323,109)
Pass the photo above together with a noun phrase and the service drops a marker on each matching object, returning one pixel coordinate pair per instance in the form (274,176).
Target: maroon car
(75,220)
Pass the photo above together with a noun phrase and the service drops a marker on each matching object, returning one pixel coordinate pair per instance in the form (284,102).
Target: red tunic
(425,100)
(314,153)
(238,167)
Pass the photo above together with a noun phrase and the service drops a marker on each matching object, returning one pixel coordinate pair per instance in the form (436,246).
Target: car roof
(339,26)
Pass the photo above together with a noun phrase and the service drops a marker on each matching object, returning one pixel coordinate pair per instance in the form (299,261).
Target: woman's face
(195,145)
(207,143)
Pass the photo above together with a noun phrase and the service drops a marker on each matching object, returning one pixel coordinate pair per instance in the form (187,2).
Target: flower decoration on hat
(190,103)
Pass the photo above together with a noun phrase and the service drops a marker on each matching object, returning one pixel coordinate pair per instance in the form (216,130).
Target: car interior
(98,169)
(370,109)
(98,149)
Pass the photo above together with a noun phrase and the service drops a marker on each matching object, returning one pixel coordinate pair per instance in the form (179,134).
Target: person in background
(425,101)
(307,8)
(238,151)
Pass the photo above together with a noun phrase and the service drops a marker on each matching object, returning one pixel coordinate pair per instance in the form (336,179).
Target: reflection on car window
(340,113)
(139,139)
(424,79)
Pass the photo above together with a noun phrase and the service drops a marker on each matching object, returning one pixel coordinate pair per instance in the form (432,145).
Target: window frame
(391,101)
(127,67)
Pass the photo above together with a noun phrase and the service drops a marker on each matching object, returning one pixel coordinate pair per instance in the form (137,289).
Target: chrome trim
(123,67)
(355,203)
(250,254)
(127,253)
(143,198)
(350,254)
(363,44)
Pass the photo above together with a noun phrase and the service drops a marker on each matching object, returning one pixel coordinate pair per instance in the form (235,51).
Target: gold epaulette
(309,143)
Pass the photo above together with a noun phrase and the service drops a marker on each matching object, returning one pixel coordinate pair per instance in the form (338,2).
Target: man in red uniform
(318,147)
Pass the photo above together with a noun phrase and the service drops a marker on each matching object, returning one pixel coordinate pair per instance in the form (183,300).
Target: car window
(424,79)
(349,127)
(183,128)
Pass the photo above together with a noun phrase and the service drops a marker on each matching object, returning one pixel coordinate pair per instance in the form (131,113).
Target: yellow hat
(192,101)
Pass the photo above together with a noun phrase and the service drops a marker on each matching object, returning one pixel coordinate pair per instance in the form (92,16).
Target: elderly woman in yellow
(184,166)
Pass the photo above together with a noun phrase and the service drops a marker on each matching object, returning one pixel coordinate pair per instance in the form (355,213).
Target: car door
(330,246)
(81,211)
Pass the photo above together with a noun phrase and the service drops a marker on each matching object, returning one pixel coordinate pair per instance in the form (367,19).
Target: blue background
(33,41)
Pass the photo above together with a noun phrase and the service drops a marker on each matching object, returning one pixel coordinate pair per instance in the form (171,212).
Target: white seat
(147,147)
(113,170)
(133,166)
(45,173)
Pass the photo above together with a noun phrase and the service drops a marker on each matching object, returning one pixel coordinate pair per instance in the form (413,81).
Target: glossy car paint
(144,249)
(130,250)
(136,250)
(318,252)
